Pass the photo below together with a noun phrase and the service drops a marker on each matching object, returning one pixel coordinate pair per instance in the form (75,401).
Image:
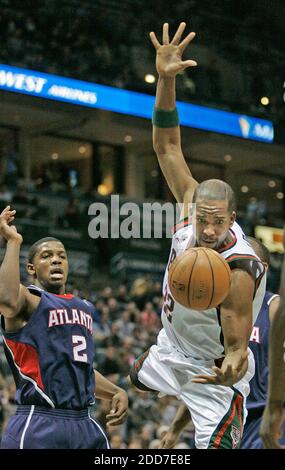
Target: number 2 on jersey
(168,304)
(79,345)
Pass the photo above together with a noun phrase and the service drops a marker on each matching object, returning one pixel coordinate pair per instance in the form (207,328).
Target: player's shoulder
(269,297)
(183,224)
(240,255)
(238,246)
(35,290)
(88,303)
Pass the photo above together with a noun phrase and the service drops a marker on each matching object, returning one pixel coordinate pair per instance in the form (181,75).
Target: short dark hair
(215,189)
(260,249)
(34,248)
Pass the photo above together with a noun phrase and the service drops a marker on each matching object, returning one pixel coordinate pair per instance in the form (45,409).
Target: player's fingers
(204,380)
(170,445)
(116,412)
(188,63)
(178,34)
(111,421)
(118,420)
(7,208)
(186,41)
(162,444)
(201,376)
(229,370)
(167,444)
(10,213)
(165,34)
(7,213)
(154,40)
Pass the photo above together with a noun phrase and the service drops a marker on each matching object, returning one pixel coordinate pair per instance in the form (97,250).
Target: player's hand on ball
(119,410)
(9,232)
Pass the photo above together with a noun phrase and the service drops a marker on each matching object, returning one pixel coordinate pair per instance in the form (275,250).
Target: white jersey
(198,333)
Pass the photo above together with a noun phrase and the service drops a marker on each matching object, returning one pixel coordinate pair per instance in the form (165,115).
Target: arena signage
(92,95)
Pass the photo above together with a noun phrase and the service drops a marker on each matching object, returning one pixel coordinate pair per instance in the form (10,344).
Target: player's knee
(133,377)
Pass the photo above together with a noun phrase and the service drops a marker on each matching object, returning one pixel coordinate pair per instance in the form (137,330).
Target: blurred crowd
(126,324)
(106,42)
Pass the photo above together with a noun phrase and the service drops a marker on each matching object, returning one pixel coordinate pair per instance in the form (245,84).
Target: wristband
(165,119)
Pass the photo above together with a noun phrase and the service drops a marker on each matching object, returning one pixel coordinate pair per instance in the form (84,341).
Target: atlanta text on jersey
(64,316)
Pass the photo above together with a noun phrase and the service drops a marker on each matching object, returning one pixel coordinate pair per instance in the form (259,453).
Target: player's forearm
(236,331)
(182,418)
(10,275)
(236,343)
(276,385)
(163,139)
(104,388)
(165,93)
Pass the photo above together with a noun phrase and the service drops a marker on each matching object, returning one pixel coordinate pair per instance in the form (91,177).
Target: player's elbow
(8,304)
(8,309)
(163,149)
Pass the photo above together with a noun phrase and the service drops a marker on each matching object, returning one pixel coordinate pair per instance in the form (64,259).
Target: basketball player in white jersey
(201,357)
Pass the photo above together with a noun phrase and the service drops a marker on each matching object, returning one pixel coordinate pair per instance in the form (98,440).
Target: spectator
(149,319)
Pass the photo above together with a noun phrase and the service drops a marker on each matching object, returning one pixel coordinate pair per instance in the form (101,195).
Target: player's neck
(59,290)
(229,239)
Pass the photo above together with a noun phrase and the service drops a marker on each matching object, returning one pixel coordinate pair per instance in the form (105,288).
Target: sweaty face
(50,266)
(212,223)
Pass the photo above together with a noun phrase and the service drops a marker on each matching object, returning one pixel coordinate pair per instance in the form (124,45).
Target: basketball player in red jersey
(201,357)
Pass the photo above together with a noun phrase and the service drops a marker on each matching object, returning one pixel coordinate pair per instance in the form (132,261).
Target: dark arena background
(77,81)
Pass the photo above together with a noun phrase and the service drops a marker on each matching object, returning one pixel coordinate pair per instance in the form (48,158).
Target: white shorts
(218,412)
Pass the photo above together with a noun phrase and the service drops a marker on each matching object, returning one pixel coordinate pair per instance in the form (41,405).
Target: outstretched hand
(119,410)
(169,54)
(7,231)
(168,440)
(228,374)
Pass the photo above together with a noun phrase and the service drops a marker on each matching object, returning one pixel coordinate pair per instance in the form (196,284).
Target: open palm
(169,54)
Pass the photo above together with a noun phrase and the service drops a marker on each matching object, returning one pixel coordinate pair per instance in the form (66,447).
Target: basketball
(199,278)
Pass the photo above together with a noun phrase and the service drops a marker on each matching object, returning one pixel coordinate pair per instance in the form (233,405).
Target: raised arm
(166,130)
(14,297)
(236,322)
